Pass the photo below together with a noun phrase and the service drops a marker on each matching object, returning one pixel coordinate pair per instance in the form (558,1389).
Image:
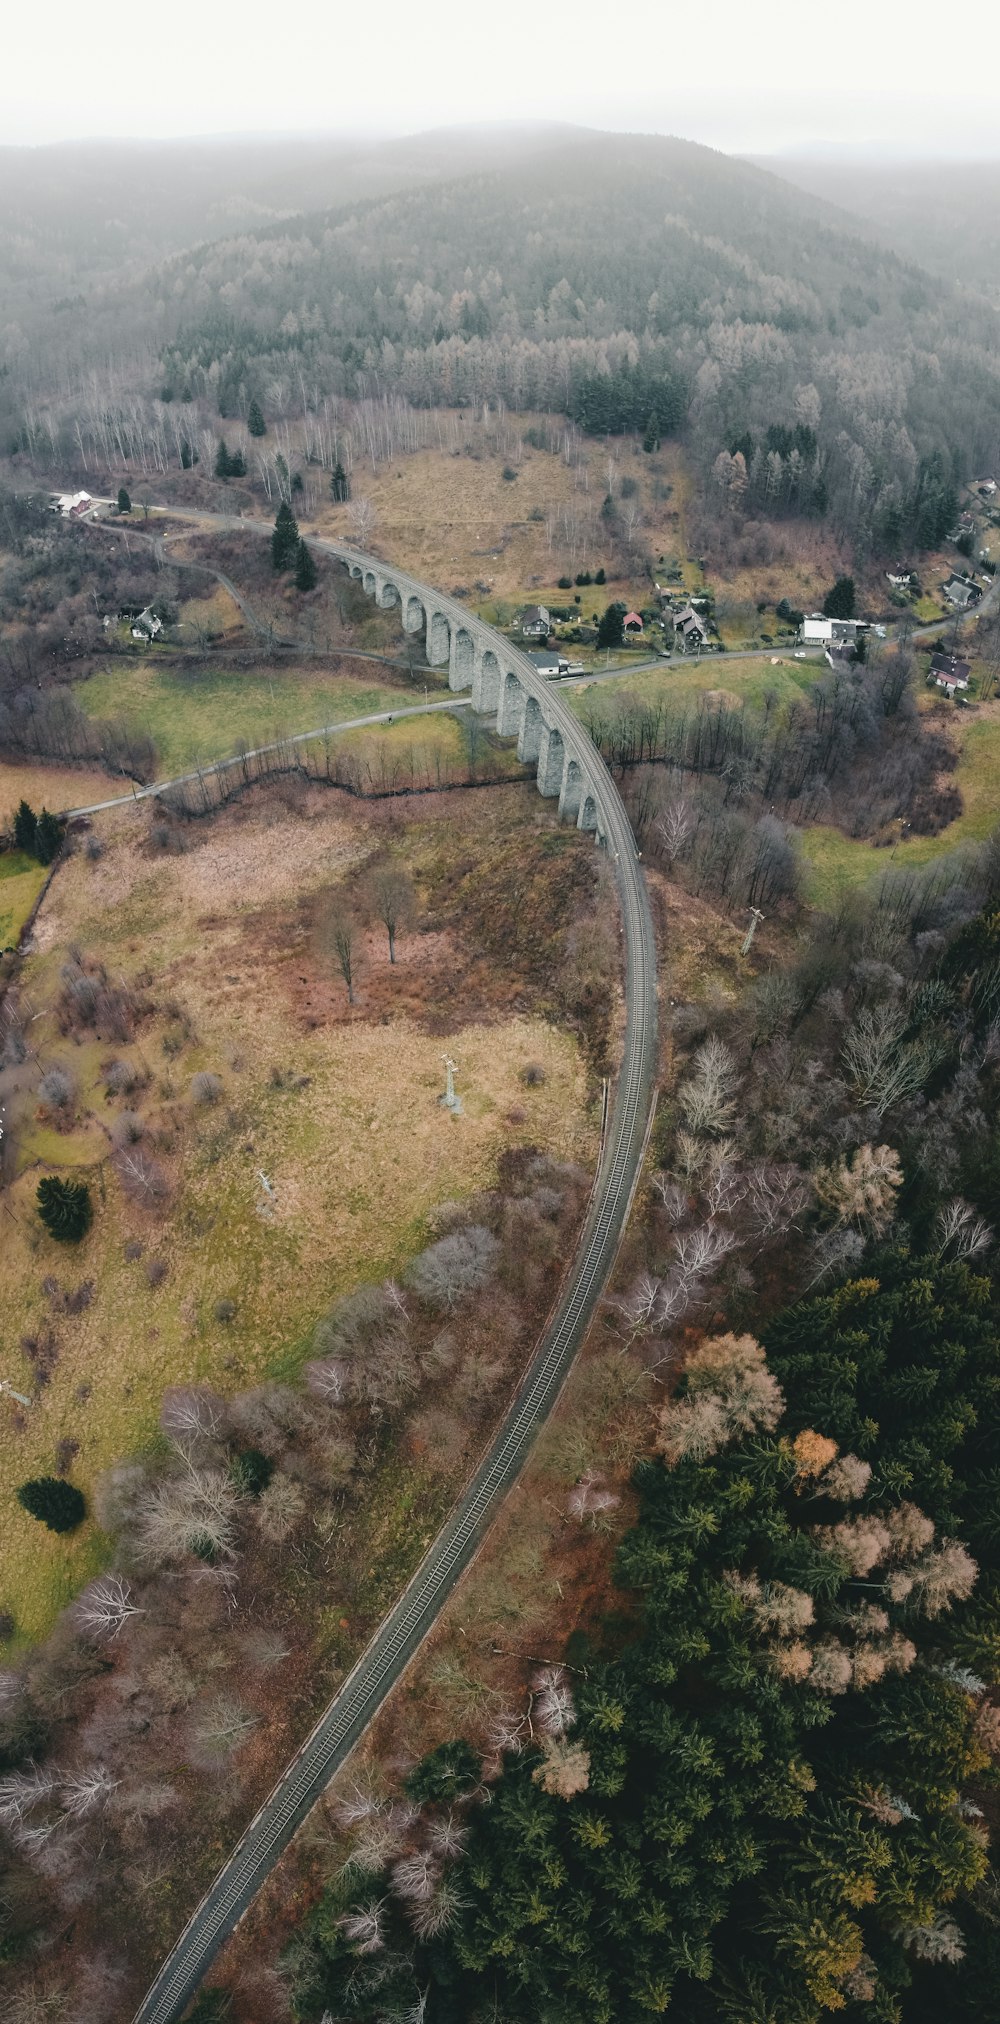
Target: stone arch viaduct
(504,682)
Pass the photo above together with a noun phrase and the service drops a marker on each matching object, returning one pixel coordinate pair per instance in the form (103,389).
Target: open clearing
(197,714)
(21,881)
(219,942)
(833,861)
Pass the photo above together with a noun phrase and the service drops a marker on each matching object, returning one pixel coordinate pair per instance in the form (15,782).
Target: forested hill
(607,276)
(946,215)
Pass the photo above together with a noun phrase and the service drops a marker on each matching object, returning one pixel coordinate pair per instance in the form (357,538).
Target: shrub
(532,1074)
(54,1503)
(445,1774)
(565,583)
(251,1471)
(65,1208)
(156,1271)
(128,1128)
(224,1310)
(120,1078)
(56,1089)
(206,1088)
(454,1267)
(509,474)
(93,849)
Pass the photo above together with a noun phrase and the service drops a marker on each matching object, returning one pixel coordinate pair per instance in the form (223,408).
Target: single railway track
(407,1624)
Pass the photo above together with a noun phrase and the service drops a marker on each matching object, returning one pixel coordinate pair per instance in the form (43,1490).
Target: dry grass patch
(54,787)
(341,1116)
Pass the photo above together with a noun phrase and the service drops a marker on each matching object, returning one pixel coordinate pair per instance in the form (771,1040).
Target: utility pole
(7,1392)
(449,1099)
(755,920)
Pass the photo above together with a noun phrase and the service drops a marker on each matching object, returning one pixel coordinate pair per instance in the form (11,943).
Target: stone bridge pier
(503,686)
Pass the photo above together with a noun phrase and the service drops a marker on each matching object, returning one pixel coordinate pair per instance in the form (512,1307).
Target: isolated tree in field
(124,502)
(54,1503)
(48,837)
(339,485)
(651,439)
(611,630)
(392,900)
(342,936)
(255,420)
(25,825)
(839,602)
(305,569)
(285,539)
(222,459)
(65,1208)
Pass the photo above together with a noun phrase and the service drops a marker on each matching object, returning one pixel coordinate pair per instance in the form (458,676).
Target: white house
(72,505)
(147,625)
(548,663)
(818,631)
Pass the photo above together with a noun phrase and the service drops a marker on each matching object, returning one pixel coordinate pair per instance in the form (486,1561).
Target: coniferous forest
(766,1793)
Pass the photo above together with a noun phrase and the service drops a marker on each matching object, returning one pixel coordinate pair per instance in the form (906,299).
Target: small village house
(547,662)
(961,591)
(535,622)
(690,630)
(949,673)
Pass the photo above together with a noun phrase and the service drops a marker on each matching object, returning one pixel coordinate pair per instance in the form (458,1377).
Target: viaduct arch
(505,684)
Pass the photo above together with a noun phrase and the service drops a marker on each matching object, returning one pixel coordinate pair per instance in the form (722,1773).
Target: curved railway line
(414,1614)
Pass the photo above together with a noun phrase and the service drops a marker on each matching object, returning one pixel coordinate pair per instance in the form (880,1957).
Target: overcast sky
(743,75)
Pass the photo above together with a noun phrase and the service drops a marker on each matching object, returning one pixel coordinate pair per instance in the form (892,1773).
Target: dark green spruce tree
(48,837)
(54,1503)
(255,420)
(339,485)
(65,1208)
(25,827)
(305,569)
(285,539)
(124,502)
(651,439)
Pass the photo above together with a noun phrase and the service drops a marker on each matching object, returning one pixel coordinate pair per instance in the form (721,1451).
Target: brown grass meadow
(220,945)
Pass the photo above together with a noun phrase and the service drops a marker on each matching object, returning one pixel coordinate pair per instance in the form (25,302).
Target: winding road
(414,1615)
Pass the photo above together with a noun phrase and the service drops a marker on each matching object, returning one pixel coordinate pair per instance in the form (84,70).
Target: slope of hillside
(946,215)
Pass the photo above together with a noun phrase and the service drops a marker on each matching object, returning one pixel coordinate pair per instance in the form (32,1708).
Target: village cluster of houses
(691,628)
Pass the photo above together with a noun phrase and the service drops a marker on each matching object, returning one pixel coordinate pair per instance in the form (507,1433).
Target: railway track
(403,1630)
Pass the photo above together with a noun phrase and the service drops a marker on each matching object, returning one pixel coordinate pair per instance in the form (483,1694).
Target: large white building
(818,631)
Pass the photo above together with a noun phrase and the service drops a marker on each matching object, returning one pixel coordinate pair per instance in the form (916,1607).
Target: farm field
(220,946)
(197,715)
(52,787)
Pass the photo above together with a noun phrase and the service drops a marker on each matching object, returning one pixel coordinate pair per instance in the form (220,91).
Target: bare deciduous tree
(392,901)
(362,519)
(106,1606)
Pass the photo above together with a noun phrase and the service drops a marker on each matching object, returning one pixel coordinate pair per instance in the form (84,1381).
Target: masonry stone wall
(504,684)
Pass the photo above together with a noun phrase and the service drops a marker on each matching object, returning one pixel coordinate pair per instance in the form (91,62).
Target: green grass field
(833,861)
(200,714)
(21,881)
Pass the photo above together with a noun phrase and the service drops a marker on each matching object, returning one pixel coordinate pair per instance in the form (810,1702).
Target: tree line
(771,1800)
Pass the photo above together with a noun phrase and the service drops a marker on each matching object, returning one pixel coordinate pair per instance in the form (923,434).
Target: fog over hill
(606,276)
(945,215)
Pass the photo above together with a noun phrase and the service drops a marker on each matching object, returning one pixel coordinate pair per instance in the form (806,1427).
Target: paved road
(156,787)
(413,1616)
